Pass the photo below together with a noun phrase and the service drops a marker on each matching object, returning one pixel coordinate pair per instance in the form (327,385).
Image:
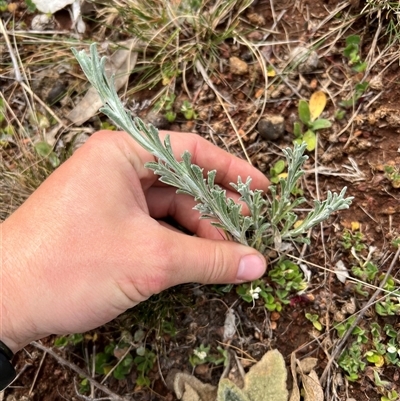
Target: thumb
(213,262)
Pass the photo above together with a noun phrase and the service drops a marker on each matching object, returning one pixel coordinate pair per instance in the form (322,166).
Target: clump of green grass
(174,36)
(388,12)
(22,169)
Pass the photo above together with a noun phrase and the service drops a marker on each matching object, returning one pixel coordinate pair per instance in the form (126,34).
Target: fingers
(190,259)
(204,154)
(210,157)
(163,202)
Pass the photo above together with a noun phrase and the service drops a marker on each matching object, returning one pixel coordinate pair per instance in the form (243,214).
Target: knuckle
(162,259)
(216,269)
(101,138)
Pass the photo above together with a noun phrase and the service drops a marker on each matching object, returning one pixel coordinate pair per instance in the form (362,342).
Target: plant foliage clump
(272,219)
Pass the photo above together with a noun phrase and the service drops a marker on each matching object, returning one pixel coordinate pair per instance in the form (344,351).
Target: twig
(79,371)
(17,72)
(343,341)
(86,398)
(115,366)
(37,374)
(19,78)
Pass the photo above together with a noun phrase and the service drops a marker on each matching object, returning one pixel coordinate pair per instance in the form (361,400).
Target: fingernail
(251,267)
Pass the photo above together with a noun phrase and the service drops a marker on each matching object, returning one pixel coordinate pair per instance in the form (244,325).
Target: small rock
(349,307)
(42,22)
(255,36)
(339,316)
(202,370)
(156,119)
(237,66)
(271,127)
(56,93)
(256,19)
(278,92)
(305,60)
(313,84)
(275,316)
(376,83)
(12,8)
(188,126)
(79,140)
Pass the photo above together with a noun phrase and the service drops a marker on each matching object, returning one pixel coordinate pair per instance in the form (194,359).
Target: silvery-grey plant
(272,217)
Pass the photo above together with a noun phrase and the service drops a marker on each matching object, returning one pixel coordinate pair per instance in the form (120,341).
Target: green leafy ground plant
(392,173)
(284,279)
(358,92)
(203,354)
(352,53)
(271,220)
(309,113)
(166,106)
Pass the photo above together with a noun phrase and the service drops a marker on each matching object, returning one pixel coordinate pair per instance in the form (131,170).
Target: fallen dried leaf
(312,387)
(341,271)
(317,104)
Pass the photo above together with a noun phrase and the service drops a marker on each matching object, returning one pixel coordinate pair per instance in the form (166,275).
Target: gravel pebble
(237,66)
(305,60)
(271,127)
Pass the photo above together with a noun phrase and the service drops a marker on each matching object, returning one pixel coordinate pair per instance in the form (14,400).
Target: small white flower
(255,293)
(200,354)
(391,349)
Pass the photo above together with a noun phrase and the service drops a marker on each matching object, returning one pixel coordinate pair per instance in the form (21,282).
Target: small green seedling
(353,239)
(144,361)
(72,339)
(359,90)
(288,276)
(351,361)
(389,307)
(390,396)
(392,173)
(309,116)
(339,114)
(30,6)
(277,171)
(202,355)
(44,150)
(352,53)
(314,319)
(166,105)
(395,243)
(365,271)
(188,111)
(106,361)
(375,357)
(107,126)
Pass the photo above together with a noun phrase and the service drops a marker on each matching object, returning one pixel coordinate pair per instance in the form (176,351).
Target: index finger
(211,157)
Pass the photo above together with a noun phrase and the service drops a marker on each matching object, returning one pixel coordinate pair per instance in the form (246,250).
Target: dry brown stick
(37,374)
(343,341)
(79,371)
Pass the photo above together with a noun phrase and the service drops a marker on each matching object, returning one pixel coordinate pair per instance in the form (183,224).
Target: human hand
(87,244)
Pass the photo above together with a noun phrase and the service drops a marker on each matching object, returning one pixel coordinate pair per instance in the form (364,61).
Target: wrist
(16,330)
